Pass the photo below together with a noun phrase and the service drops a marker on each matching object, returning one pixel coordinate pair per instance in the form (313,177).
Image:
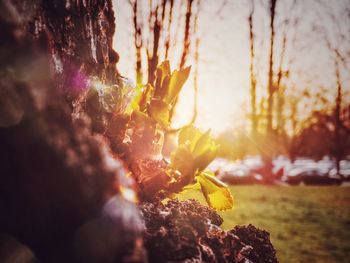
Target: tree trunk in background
(281,90)
(186,44)
(293,118)
(254,117)
(186,41)
(137,43)
(270,84)
(337,137)
(153,56)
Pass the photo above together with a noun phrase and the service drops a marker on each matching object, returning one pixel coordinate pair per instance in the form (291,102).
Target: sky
(223,95)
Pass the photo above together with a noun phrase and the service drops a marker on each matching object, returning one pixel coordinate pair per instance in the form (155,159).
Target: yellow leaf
(203,144)
(177,80)
(216,193)
(189,135)
(182,160)
(159,111)
(204,151)
(191,187)
(196,186)
(203,160)
(134,104)
(162,73)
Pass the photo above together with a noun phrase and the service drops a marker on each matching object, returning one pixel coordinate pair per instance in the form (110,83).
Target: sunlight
(223,66)
(219,108)
(174,131)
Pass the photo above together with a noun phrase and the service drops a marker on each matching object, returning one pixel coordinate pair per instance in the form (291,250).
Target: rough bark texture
(56,175)
(80,35)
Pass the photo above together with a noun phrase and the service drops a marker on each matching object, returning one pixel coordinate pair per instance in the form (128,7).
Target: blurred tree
(289,23)
(293,119)
(254,116)
(319,137)
(270,85)
(156,36)
(137,41)
(337,41)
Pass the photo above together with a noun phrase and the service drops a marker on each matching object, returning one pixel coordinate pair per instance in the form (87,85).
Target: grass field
(307,224)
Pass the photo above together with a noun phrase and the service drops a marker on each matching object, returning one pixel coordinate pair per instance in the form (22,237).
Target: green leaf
(203,144)
(165,86)
(195,187)
(202,147)
(189,135)
(202,161)
(191,187)
(182,160)
(216,193)
(204,151)
(177,80)
(159,111)
(161,85)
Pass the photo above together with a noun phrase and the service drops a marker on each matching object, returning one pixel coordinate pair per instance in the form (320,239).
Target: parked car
(239,173)
(253,162)
(218,165)
(247,171)
(310,176)
(252,170)
(344,170)
(281,163)
(240,177)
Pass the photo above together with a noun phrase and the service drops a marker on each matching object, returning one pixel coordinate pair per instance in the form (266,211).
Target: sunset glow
(175,131)
(223,70)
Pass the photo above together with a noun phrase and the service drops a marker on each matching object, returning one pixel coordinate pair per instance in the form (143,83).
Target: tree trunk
(56,175)
(80,35)
(270,73)
(337,137)
(254,117)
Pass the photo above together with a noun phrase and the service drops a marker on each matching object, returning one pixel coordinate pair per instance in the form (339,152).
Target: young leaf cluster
(158,101)
(150,117)
(195,152)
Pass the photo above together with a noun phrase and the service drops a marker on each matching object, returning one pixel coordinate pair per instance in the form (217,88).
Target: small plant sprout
(149,119)
(195,152)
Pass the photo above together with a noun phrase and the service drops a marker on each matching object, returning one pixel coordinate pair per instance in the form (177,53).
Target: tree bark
(56,174)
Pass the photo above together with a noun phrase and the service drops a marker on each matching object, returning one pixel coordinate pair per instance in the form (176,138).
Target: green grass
(307,224)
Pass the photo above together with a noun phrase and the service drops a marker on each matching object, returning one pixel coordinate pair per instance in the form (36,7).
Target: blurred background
(270,78)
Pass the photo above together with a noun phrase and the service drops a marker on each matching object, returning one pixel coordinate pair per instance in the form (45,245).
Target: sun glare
(224,85)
